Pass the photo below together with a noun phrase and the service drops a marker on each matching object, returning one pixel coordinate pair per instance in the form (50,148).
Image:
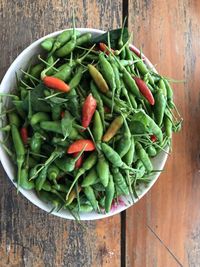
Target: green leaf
(66,125)
(114,37)
(36,103)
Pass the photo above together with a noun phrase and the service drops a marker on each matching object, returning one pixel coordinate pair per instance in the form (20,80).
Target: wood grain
(169,34)
(28,236)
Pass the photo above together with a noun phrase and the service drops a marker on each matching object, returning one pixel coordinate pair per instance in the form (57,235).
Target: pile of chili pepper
(85,121)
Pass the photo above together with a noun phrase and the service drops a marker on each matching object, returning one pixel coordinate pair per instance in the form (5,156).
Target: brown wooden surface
(162,229)
(28,236)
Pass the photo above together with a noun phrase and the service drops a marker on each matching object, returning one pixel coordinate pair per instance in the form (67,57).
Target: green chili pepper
(68,47)
(162,86)
(56,111)
(59,141)
(62,39)
(107,71)
(52,126)
(87,207)
(168,123)
(83,39)
(132,99)
(91,178)
(24,182)
(88,191)
(99,102)
(110,192)
(97,127)
(39,117)
(65,71)
(87,165)
(140,65)
(19,150)
(77,78)
(102,169)
(53,172)
(47,187)
(67,164)
(159,107)
(125,142)
(36,70)
(47,44)
(14,119)
(36,142)
(143,156)
(151,151)
(169,94)
(128,157)
(148,124)
(41,179)
(120,182)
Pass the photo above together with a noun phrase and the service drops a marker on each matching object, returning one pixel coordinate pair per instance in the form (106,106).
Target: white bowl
(8,84)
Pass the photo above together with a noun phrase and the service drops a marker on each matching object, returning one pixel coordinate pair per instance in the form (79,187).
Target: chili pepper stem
(29,75)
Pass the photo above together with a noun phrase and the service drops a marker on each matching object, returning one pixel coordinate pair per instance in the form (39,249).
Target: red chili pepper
(81,144)
(146,92)
(56,84)
(136,51)
(79,162)
(62,114)
(104,48)
(24,135)
(153,138)
(88,110)
(107,109)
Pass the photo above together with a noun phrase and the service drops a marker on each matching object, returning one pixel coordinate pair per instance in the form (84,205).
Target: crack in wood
(163,244)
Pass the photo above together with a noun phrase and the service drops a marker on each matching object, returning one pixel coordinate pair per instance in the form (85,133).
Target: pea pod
(110,192)
(143,156)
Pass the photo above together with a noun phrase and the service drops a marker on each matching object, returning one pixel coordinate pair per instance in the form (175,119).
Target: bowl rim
(4,158)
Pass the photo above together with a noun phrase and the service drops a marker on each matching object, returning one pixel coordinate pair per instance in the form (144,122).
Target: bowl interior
(8,84)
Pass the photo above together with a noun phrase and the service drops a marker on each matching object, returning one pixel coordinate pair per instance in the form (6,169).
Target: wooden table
(163,229)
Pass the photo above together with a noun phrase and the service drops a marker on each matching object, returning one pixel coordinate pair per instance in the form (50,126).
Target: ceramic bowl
(7,85)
